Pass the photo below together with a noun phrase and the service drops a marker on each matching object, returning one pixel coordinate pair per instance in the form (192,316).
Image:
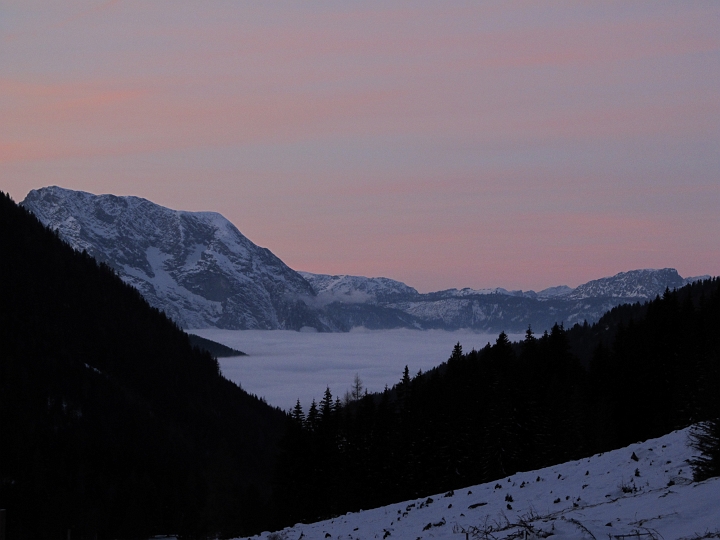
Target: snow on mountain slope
(195,266)
(551,292)
(500,309)
(356,289)
(200,270)
(643,491)
(635,284)
(479,292)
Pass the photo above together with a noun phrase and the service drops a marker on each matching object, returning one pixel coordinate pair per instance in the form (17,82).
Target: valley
(283,366)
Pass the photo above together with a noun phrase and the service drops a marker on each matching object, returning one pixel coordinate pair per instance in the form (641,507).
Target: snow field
(643,491)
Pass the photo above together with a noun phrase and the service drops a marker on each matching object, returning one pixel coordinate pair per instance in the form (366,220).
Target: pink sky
(519,144)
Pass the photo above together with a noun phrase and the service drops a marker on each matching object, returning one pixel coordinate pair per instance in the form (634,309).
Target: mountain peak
(356,289)
(200,270)
(643,284)
(195,266)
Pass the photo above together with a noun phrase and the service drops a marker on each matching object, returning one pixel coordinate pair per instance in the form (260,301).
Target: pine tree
(297,414)
(311,422)
(326,406)
(403,390)
(406,377)
(529,344)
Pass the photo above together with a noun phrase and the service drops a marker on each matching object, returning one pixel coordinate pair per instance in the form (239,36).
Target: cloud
(283,366)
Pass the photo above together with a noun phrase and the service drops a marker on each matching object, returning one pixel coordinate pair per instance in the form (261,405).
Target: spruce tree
(297,414)
(326,406)
(311,422)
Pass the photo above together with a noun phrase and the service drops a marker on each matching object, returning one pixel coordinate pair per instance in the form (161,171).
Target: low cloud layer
(284,366)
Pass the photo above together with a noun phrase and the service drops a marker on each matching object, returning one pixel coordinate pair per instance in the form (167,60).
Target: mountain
(493,310)
(201,271)
(195,266)
(113,425)
(356,289)
(632,286)
(642,491)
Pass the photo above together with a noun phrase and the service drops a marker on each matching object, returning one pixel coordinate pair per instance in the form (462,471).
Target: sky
(507,143)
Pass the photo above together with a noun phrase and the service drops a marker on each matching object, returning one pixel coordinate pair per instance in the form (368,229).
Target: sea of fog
(283,366)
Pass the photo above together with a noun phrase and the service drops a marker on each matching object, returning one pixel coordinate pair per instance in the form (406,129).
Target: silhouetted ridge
(112,423)
(218,350)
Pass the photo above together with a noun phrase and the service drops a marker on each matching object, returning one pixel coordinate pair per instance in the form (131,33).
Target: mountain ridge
(201,270)
(195,266)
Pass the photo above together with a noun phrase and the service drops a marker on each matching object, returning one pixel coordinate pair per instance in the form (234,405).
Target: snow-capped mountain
(356,289)
(634,285)
(643,491)
(461,293)
(200,270)
(490,309)
(551,292)
(195,266)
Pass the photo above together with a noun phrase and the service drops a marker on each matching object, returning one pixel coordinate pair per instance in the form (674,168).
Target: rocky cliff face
(195,266)
(491,310)
(633,285)
(200,270)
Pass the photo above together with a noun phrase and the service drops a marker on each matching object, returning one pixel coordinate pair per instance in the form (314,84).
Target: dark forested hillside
(111,423)
(640,372)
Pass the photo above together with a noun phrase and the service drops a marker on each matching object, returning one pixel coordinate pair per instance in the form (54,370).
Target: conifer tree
(326,406)
(297,414)
(406,377)
(311,422)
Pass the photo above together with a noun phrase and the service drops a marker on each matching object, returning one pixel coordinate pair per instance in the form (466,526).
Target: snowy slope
(195,266)
(634,285)
(356,288)
(644,490)
(487,310)
(480,308)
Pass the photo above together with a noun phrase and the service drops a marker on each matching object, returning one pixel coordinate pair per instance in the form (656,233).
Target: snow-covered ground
(643,491)
(284,366)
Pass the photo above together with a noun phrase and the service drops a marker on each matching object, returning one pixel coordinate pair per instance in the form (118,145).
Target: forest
(115,425)
(640,372)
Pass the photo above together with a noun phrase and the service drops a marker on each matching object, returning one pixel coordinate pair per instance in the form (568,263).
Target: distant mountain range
(200,270)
